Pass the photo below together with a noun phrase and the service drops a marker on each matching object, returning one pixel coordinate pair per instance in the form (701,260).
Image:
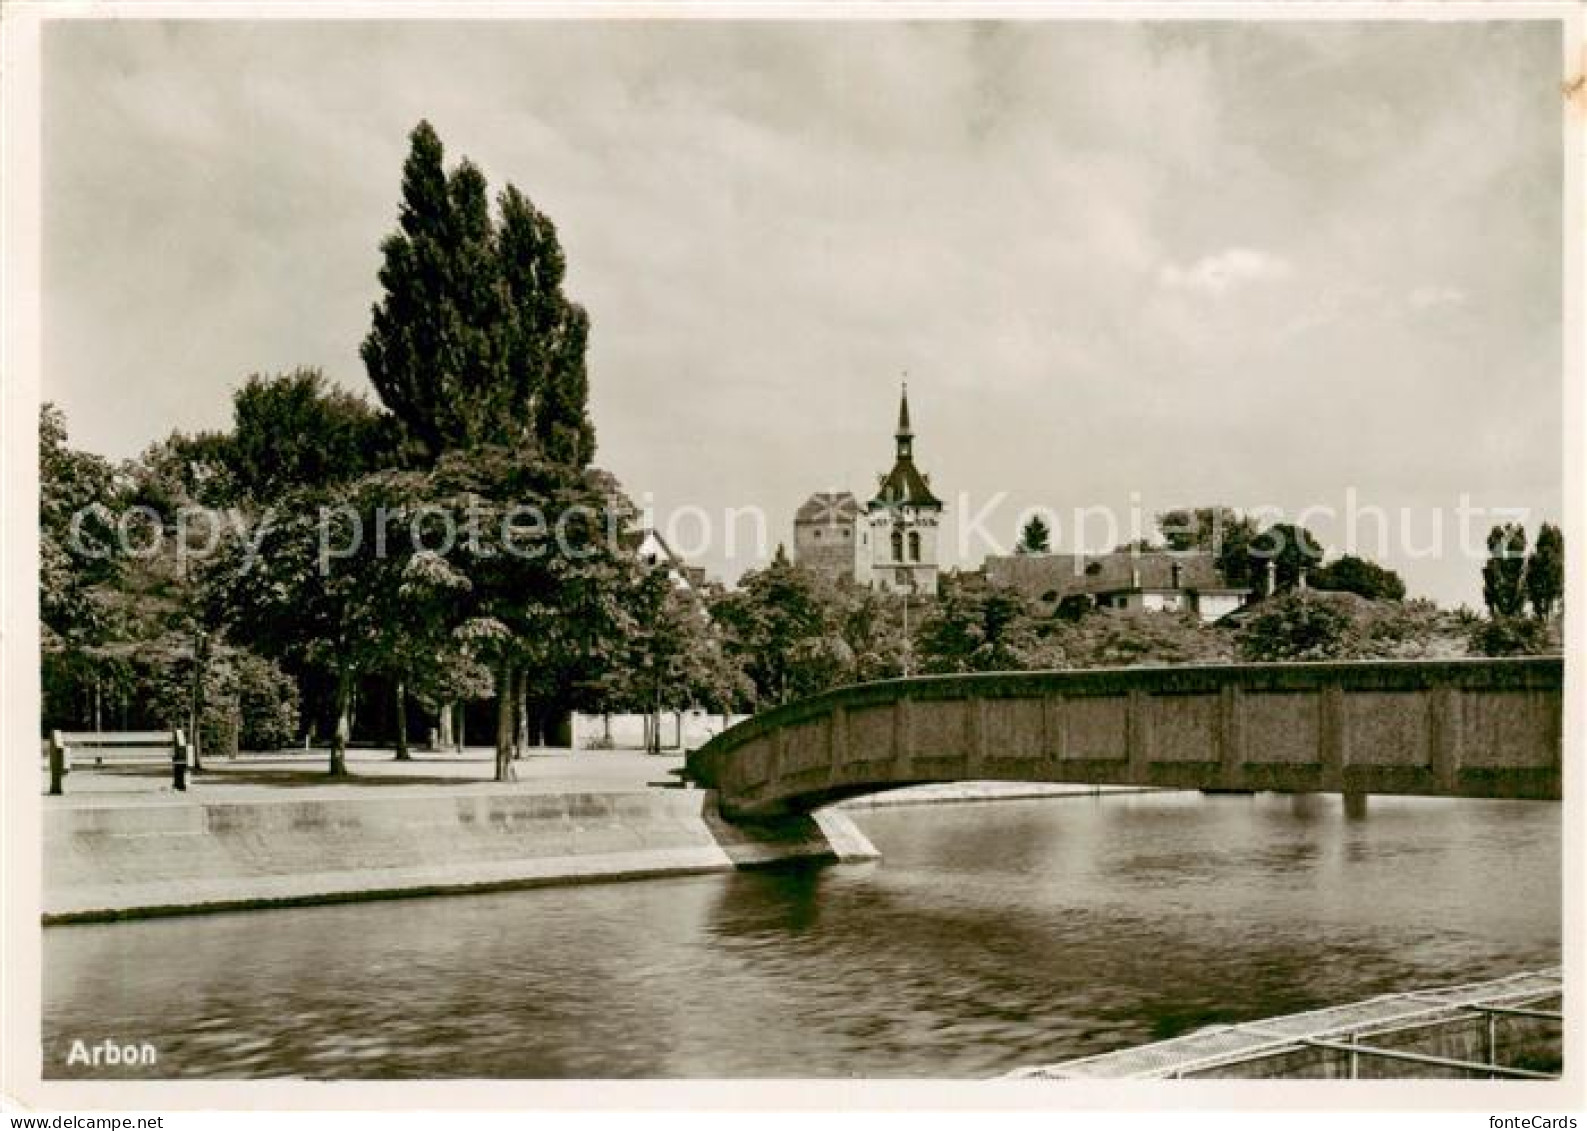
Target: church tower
(904,518)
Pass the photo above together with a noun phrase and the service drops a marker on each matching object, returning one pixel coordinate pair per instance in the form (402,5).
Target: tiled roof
(904,485)
(1035,576)
(835,508)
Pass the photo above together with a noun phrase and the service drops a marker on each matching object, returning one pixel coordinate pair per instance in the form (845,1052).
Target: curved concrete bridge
(1455,728)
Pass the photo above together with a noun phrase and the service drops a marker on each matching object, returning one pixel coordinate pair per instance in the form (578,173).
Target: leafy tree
(449,676)
(296,431)
(1298,626)
(1545,572)
(783,626)
(714,677)
(1111,638)
(981,631)
(1504,573)
(80,550)
(183,471)
(316,585)
(1511,636)
(82,564)
(246,701)
(267,702)
(431,352)
(119,619)
(473,342)
(1292,550)
(1335,625)
(1220,531)
(665,626)
(546,579)
(1414,629)
(1351,574)
(547,334)
(676,656)
(475,348)
(1035,537)
(872,627)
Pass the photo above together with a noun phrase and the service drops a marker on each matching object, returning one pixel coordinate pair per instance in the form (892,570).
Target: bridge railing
(1476,727)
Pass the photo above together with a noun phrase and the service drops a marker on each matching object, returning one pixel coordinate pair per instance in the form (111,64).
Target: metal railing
(1355,1031)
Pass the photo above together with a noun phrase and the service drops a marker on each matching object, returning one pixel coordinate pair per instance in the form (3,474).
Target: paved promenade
(301,774)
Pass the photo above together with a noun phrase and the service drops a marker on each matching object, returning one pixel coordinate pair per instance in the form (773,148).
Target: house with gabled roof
(1150,580)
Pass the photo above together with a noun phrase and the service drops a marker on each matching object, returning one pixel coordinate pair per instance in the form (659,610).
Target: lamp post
(200,660)
(909,645)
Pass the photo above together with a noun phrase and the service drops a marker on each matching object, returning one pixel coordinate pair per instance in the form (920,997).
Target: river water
(990,936)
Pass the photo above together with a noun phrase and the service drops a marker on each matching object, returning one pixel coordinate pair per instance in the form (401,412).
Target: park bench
(105,749)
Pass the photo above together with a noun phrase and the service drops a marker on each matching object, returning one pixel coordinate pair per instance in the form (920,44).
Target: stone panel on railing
(1476,728)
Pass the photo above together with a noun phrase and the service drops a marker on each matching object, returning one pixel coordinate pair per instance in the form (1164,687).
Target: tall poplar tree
(477,350)
(1545,571)
(1504,573)
(473,342)
(546,334)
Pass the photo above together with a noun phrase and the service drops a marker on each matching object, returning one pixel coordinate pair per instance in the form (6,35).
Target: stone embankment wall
(110,861)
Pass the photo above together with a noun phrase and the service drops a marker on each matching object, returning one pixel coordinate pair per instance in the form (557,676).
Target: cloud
(1112,255)
(1226,271)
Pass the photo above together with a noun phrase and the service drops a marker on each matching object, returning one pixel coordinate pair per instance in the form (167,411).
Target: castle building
(831,537)
(890,542)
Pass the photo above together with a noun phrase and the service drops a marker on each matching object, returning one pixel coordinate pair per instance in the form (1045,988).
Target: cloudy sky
(1124,264)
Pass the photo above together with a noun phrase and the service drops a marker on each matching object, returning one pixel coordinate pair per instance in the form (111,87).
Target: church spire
(905,436)
(904,485)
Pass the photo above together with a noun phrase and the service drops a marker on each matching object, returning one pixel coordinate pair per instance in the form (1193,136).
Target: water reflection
(989,936)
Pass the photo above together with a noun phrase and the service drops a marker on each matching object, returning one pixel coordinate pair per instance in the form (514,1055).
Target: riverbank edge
(239,855)
(104,863)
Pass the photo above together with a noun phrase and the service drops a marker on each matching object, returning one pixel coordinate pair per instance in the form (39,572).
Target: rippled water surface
(990,936)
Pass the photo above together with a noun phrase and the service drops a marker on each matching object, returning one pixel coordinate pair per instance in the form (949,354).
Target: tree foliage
(1504,573)
(675,655)
(296,431)
(1218,530)
(1299,626)
(1545,572)
(1320,625)
(1351,574)
(546,575)
(981,631)
(871,623)
(80,549)
(181,472)
(1035,537)
(1113,638)
(473,341)
(1511,636)
(336,579)
(1291,550)
(783,625)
